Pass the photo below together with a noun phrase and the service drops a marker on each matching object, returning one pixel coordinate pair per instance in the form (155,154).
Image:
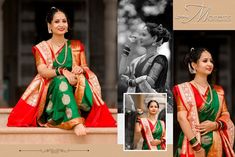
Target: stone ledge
(37,135)
(4,113)
(42,130)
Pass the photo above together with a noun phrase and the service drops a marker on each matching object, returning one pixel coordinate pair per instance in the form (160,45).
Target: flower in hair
(192,49)
(160,26)
(53,8)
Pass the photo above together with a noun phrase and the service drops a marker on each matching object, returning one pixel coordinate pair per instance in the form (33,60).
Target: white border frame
(123,122)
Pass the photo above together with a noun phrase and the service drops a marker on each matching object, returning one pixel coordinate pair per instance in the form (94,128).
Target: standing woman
(64,86)
(153,130)
(202,112)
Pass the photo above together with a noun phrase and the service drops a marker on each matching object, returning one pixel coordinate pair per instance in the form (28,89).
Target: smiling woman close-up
(201,110)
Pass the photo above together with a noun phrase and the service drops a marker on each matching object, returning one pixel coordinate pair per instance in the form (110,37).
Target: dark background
(221,45)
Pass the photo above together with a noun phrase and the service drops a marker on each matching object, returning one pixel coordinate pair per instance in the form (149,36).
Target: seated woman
(64,86)
(152,130)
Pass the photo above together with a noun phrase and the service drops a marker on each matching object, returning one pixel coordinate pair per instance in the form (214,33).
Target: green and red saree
(56,103)
(216,143)
(152,131)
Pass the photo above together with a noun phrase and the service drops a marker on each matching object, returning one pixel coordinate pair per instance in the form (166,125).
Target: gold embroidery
(46,53)
(63,86)
(66,125)
(206,139)
(84,107)
(68,113)
(51,122)
(33,86)
(49,106)
(65,99)
(42,101)
(33,99)
(38,58)
(187,94)
(79,92)
(216,147)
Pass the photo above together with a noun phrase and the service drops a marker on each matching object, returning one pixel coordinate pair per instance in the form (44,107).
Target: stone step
(4,113)
(39,135)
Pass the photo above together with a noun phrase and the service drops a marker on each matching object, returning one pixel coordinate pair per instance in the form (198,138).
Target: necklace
(155,124)
(210,90)
(57,44)
(65,55)
(151,119)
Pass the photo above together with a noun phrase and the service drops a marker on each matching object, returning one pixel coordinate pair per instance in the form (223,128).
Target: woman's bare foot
(80,130)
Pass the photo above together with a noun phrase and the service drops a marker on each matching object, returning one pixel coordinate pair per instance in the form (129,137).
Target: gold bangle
(193,140)
(199,150)
(195,144)
(197,147)
(217,126)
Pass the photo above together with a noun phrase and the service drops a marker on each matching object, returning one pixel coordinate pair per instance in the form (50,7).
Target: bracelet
(197,147)
(217,125)
(140,112)
(137,120)
(61,71)
(131,83)
(193,140)
(57,71)
(82,71)
(195,144)
(220,124)
(126,50)
(198,150)
(162,141)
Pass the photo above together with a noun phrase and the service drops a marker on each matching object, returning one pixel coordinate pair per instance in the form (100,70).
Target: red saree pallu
(23,115)
(25,112)
(100,116)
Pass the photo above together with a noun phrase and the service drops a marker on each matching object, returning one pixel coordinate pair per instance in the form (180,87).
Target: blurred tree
(133,13)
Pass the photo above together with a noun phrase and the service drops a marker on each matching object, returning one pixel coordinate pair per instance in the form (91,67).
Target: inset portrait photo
(145,121)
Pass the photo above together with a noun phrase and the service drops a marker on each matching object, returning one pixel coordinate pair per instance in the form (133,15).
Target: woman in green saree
(64,86)
(152,130)
(202,112)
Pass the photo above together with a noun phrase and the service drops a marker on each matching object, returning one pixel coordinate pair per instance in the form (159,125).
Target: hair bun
(159,31)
